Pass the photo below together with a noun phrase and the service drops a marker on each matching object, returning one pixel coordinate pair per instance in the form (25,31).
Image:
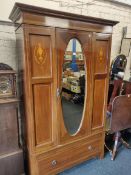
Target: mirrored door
(73,88)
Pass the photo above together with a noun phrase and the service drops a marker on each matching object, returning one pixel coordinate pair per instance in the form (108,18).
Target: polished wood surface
(43,130)
(18,7)
(121,113)
(41,50)
(8,126)
(40,66)
(42,38)
(12,163)
(63,37)
(98,106)
(11,156)
(101,68)
(55,162)
(8,101)
(47,17)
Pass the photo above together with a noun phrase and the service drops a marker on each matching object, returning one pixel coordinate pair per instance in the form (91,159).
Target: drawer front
(66,158)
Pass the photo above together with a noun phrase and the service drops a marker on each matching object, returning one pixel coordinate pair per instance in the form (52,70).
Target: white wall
(8,45)
(7,5)
(99,8)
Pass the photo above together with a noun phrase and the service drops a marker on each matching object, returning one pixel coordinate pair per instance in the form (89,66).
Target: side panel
(41,89)
(99,98)
(101,69)
(42,113)
(101,58)
(41,62)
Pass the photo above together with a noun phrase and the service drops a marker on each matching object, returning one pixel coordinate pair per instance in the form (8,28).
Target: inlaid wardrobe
(63,91)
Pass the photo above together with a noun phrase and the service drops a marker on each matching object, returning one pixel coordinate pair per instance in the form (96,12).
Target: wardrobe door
(101,74)
(74,90)
(40,87)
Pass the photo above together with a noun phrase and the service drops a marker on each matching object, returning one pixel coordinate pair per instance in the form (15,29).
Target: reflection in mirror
(73,86)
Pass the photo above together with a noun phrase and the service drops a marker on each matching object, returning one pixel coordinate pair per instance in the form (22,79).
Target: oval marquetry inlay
(40,54)
(101,54)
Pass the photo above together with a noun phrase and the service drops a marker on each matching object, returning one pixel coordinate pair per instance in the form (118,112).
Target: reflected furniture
(42,39)
(73,86)
(11,155)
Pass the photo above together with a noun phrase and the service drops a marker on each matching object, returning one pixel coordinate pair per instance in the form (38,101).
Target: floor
(72,114)
(120,166)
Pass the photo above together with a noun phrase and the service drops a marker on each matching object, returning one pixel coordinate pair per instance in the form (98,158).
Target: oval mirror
(73,86)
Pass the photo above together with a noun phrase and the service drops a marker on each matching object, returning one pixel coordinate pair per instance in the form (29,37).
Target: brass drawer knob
(54,163)
(90,147)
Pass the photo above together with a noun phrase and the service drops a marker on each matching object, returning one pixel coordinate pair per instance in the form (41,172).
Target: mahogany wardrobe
(63,63)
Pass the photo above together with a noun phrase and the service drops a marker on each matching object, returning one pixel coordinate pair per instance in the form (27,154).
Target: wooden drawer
(63,159)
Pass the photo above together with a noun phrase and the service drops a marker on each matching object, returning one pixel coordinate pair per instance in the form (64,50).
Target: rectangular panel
(101,56)
(8,129)
(12,164)
(40,48)
(99,99)
(43,113)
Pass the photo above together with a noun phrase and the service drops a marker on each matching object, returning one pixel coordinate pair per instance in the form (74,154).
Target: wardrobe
(50,89)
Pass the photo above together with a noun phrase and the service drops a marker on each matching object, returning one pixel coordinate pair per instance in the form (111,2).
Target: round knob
(54,162)
(90,147)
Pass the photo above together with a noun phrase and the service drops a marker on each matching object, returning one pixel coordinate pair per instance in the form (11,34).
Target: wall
(7,44)
(96,8)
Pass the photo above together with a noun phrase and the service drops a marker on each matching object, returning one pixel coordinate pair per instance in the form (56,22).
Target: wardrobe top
(19,7)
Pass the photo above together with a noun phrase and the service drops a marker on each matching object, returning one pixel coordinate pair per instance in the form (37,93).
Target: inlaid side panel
(40,47)
(40,87)
(99,96)
(43,113)
(101,56)
(101,73)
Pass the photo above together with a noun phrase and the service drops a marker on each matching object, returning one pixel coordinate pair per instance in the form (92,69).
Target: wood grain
(49,147)
(43,113)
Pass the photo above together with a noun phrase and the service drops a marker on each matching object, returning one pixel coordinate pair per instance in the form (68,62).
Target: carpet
(120,166)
